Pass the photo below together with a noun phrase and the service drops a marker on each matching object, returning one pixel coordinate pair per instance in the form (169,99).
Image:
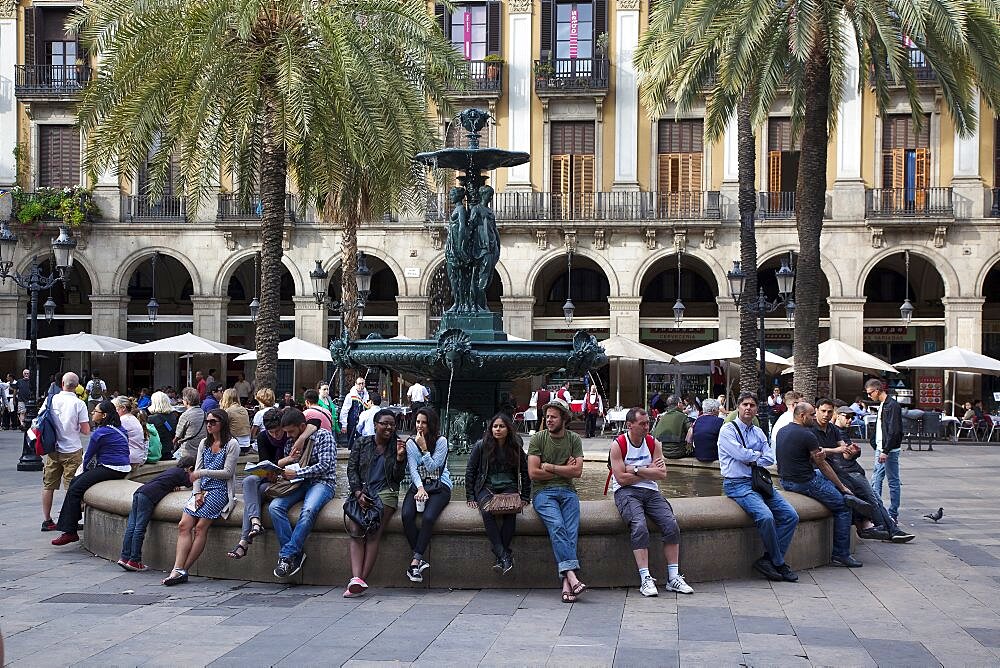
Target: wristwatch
(635,470)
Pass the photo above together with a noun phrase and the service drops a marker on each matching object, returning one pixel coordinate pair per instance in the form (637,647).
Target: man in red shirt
(200,384)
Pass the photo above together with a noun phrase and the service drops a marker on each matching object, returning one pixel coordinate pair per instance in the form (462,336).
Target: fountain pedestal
(482,326)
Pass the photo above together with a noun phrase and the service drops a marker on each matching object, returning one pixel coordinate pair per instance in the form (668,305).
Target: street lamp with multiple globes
(34,282)
(760,306)
(320,278)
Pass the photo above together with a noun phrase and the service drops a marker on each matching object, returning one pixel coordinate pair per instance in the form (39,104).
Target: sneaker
(137,566)
(125,565)
(507,561)
(283,569)
(648,586)
(356,587)
(423,566)
(873,533)
(847,562)
(350,594)
(857,505)
(48,525)
(413,572)
(498,566)
(902,537)
(767,569)
(787,574)
(297,564)
(66,539)
(678,585)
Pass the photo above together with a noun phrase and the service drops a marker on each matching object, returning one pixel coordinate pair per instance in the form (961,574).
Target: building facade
(619,211)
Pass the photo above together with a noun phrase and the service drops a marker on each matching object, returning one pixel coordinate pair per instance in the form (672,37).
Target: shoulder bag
(368,519)
(760,477)
(282,487)
(506,503)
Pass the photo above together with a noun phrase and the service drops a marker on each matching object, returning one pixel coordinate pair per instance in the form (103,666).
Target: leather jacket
(892,426)
(360,460)
(477,471)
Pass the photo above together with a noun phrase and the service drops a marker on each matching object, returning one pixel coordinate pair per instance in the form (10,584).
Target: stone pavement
(935,601)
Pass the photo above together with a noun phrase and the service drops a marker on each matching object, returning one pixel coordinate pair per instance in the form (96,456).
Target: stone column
(8,105)
(519,89)
(517,316)
(847,319)
(624,317)
(969,191)
(729,319)
(311,326)
(413,313)
(963,322)
(209,317)
(626,97)
(109,317)
(730,190)
(849,188)
(12,310)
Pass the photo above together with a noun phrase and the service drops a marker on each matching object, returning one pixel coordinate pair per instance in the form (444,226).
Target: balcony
(622,207)
(776,205)
(485,80)
(923,74)
(48,82)
(995,206)
(571,76)
(909,203)
(235,209)
(139,209)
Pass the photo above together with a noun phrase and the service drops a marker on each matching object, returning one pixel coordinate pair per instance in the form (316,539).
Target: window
(468,31)
(906,160)
(572,168)
(58,156)
(680,149)
(575,30)
(782,156)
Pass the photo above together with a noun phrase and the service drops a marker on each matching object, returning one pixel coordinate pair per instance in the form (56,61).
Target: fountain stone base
(482,326)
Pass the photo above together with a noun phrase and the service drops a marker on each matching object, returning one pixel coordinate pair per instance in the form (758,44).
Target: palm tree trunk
(810,202)
(348,270)
(747,162)
(273,174)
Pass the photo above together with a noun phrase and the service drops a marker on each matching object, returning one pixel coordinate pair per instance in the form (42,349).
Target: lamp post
(678,305)
(760,306)
(153,307)
(568,308)
(320,278)
(34,282)
(906,308)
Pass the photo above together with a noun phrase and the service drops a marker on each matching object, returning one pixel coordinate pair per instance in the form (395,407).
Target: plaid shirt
(323,460)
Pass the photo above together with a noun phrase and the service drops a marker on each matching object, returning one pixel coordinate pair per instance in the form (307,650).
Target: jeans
(859,486)
(72,510)
(890,470)
(823,491)
(313,495)
(775,518)
(253,487)
(499,528)
(420,538)
(135,530)
(559,509)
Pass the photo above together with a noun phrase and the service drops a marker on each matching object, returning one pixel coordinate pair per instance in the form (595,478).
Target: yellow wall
(946,159)
(987,132)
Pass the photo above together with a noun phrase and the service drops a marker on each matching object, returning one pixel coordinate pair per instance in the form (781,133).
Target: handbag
(506,503)
(760,477)
(282,487)
(368,519)
(434,486)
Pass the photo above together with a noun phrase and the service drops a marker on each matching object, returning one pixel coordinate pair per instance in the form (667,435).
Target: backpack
(96,389)
(46,436)
(623,445)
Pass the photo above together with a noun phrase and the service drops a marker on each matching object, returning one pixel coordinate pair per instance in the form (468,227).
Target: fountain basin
(718,541)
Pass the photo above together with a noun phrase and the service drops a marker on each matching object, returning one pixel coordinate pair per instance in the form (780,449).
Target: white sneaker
(678,585)
(648,586)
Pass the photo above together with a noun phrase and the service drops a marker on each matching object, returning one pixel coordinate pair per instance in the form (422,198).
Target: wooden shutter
(58,156)
(443,17)
(493,27)
(560,185)
(30,30)
(600,18)
(679,183)
(583,186)
(898,161)
(774,171)
(547,34)
(921,177)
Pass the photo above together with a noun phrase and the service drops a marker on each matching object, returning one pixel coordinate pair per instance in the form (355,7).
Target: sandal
(579,588)
(180,577)
(568,597)
(237,552)
(256,529)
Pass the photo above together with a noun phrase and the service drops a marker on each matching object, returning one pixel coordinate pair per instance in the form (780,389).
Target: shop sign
(676,334)
(890,333)
(566,334)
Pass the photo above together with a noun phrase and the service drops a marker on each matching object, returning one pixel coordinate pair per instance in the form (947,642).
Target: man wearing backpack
(71,420)
(96,389)
(636,464)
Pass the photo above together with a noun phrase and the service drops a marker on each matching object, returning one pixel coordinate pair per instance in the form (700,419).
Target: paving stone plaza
(935,601)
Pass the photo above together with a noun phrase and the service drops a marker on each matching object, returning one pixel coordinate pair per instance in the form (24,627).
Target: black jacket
(360,460)
(478,468)
(892,426)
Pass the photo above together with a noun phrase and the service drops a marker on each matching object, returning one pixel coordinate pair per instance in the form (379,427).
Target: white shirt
(417,392)
(138,447)
(366,421)
(782,421)
(101,388)
(640,457)
(878,429)
(70,413)
(351,397)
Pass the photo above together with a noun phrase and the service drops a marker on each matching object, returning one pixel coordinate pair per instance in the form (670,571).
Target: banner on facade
(574,32)
(467,35)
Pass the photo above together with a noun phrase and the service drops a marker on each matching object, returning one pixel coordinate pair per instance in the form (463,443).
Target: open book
(265,467)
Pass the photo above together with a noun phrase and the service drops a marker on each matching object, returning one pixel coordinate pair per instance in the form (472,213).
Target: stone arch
(718,272)
(119,284)
(221,283)
(885,287)
(657,286)
(560,253)
(506,286)
(993,262)
(830,270)
(332,264)
(952,285)
(80,262)
(590,287)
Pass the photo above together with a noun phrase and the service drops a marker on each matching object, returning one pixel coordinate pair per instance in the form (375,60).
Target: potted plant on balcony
(67,206)
(601,45)
(493,62)
(544,72)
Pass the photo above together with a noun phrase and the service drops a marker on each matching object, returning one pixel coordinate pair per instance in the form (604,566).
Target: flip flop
(579,588)
(180,578)
(568,597)
(256,529)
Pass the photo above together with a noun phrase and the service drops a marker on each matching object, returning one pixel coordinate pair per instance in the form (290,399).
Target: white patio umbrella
(294,349)
(834,352)
(73,343)
(9,344)
(729,350)
(185,343)
(619,348)
(954,359)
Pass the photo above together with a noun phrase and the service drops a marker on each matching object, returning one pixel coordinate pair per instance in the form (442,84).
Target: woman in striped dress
(214,493)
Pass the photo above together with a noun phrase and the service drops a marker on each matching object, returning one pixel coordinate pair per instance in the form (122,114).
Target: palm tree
(801,47)
(278,91)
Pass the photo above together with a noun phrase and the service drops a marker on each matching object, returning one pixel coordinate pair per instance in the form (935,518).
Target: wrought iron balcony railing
(50,80)
(922,70)
(136,208)
(909,203)
(484,77)
(233,208)
(775,205)
(559,75)
(624,207)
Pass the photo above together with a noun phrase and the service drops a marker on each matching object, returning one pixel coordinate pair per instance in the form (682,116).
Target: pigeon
(935,516)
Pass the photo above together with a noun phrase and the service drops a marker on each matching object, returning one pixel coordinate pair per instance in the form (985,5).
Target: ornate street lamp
(255,303)
(153,307)
(678,305)
(320,278)
(34,282)
(568,308)
(906,309)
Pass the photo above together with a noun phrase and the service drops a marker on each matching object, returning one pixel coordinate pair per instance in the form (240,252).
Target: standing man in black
(887,439)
